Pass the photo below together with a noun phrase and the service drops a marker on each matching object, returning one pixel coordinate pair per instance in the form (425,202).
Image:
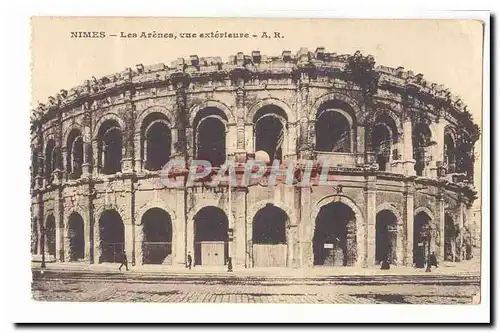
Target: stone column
(87,235)
(249,139)
(59,225)
(437,131)
(408,220)
(361,159)
(231,138)
(179,237)
(291,141)
(249,242)
(138,151)
(460,238)
(305,228)
(240,154)
(139,236)
(239,232)
(128,136)
(371,220)
(441,225)
(408,161)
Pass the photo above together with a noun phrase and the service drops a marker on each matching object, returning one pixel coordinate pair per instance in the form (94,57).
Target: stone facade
(71,180)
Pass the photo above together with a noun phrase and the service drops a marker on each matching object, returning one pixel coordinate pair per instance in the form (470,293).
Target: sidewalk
(465,268)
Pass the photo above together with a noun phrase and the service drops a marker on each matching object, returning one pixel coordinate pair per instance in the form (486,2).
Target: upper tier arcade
(323,106)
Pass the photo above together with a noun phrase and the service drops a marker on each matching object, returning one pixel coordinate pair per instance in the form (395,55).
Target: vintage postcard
(224,160)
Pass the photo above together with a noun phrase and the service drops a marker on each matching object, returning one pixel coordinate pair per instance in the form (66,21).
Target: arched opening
(333,132)
(334,241)
(450,236)
(50,234)
(112,236)
(76,236)
(157,237)
(449,153)
(110,147)
(50,159)
(210,136)
(269,128)
(269,237)
(211,237)
(156,142)
(386,236)
(381,144)
(74,154)
(421,239)
(421,139)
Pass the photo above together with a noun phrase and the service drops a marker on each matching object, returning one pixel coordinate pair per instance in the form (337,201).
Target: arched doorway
(386,236)
(333,132)
(50,233)
(269,239)
(270,124)
(211,237)
(74,154)
(334,241)
(381,140)
(450,234)
(157,237)
(110,147)
(421,140)
(76,237)
(112,236)
(210,136)
(421,238)
(156,141)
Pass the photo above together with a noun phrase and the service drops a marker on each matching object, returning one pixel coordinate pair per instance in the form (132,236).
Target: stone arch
(392,208)
(75,232)
(360,221)
(103,119)
(156,203)
(292,218)
(426,210)
(254,108)
(371,117)
(193,111)
(155,236)
(167,113)
(332,97)
(109,245)
(68,131)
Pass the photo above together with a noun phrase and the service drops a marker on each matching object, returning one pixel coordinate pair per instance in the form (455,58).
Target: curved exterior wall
(294,86)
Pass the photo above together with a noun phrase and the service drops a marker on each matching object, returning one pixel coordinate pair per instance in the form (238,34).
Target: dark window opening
(421,139)
(334,242)
(421,239)
(386,235)
(332,132)
(74,153)
(211,237)
(269,137)
(269,226)
(110,148)
(157,237)
(76,237)
(50,234)
(112,237)
(211,141)
(381,145)
(158,144)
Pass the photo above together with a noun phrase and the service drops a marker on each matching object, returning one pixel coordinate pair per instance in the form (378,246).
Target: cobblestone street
(250,291)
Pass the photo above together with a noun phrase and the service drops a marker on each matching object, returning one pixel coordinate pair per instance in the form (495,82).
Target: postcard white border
(16,195)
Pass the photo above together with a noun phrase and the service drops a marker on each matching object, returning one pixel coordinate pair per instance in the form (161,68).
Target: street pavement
(455,284)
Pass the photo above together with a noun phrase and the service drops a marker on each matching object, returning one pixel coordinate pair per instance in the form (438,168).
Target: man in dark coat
(189,260)
(124,261)
(433,260)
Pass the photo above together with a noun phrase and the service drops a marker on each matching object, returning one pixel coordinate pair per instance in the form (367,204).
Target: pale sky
(447,52)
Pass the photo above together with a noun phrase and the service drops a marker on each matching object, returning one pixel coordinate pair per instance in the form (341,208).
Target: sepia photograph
(264,160)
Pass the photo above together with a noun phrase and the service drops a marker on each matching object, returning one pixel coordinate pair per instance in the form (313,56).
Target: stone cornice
(319,68)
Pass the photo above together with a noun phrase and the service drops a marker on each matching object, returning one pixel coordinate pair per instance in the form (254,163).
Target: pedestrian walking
(433,260)
(124,261)
(229,264)
(385,265)
(189,260)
